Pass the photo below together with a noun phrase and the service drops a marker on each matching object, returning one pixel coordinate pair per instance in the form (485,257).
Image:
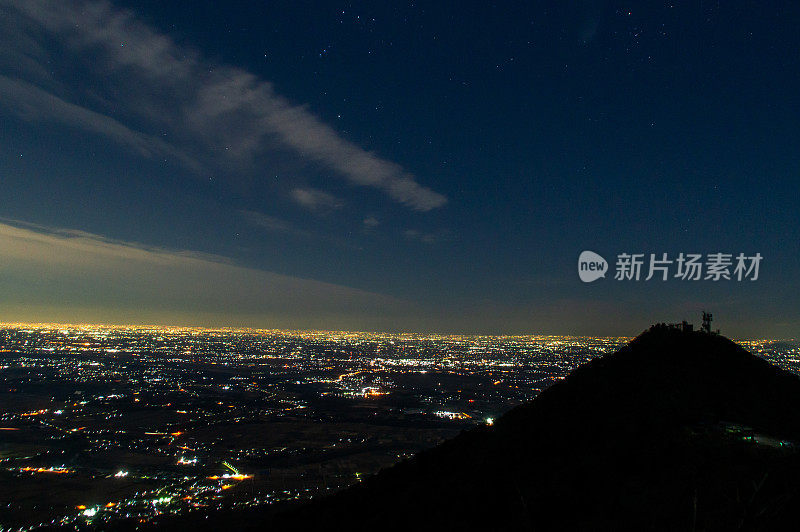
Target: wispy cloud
(273,224)
(316,200)
(160,98)
(32,103)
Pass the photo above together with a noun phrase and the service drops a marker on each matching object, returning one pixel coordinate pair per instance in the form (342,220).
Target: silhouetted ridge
(666,377)
(675,431)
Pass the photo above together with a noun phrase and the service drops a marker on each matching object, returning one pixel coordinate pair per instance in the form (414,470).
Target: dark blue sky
(447,163)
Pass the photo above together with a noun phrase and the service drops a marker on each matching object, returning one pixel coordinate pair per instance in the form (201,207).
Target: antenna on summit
(706,327)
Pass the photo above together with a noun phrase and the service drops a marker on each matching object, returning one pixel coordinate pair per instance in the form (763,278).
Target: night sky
(396,166)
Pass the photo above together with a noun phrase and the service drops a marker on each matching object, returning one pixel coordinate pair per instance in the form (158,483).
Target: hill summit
(678,430)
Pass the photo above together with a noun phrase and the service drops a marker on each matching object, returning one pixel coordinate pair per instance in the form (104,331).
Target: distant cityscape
(107,423)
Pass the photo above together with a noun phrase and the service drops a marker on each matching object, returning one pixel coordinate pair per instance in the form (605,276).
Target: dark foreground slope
(675,431)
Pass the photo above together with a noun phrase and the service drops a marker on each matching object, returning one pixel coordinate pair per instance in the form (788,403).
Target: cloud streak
(162,99)
(46,274)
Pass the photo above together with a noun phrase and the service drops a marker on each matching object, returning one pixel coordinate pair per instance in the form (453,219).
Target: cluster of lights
(54,470)
(451,415)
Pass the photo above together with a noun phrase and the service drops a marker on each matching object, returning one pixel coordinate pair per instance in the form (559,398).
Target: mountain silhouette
(676,430)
